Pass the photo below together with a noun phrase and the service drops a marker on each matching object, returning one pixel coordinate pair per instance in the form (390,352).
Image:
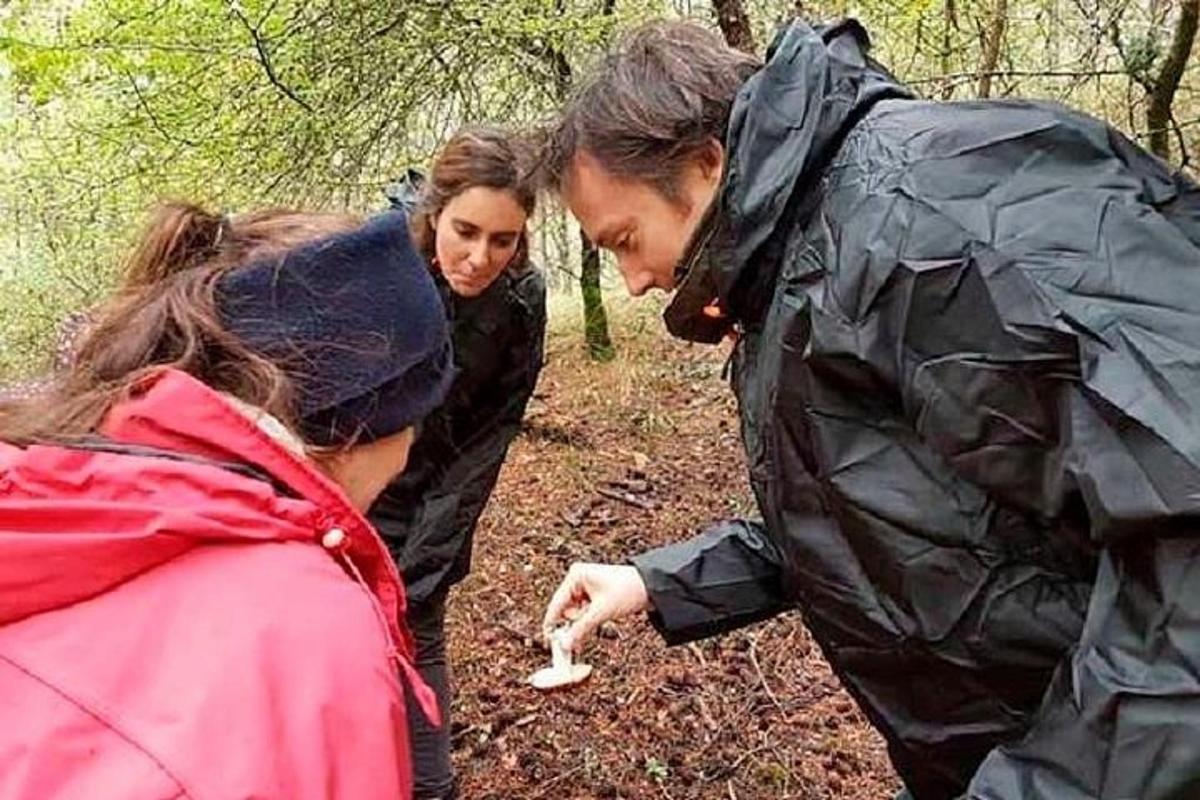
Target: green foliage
(1142,52)
(236,104)
(106,105)
(656,769)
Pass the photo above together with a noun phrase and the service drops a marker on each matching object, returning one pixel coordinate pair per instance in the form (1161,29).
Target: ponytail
(165,315)
(177,237)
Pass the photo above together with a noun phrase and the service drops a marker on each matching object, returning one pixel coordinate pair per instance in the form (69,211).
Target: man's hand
(592,594)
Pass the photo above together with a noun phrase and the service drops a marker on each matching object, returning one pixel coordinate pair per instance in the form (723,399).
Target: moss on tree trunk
(595,321)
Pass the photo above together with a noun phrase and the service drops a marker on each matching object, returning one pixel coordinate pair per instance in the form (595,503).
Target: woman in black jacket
(469,219)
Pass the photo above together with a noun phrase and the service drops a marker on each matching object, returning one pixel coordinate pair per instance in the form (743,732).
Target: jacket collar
(787,124)
(116,515)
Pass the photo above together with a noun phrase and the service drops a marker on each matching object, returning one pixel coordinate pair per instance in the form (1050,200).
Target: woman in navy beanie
(191,600)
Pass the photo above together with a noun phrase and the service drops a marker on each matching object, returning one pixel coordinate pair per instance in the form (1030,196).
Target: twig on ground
(763,678)
(559,779)
(708,717)
(516,633)
(624,497)
(726,772)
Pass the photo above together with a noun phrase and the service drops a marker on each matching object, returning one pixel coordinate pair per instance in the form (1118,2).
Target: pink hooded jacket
(172,627)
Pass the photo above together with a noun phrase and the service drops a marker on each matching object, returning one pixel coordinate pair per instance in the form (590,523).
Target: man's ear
(712,160)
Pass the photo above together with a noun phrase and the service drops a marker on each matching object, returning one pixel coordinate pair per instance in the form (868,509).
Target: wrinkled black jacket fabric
(969,386)
(428,515)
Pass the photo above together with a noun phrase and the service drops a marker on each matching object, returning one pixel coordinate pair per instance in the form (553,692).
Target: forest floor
(614,459)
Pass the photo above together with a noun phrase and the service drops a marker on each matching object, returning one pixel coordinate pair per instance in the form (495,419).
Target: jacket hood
(405,193)
(788,121)
(167,474)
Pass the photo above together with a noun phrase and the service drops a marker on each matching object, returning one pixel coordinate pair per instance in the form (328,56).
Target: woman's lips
(468,283)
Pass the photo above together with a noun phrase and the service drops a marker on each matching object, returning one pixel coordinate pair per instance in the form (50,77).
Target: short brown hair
(164,314)
(476,156)
(654,100)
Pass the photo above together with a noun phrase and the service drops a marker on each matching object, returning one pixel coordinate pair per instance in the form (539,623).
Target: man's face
(646,230)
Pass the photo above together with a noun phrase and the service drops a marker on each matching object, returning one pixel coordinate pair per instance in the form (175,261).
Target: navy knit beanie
(356,322)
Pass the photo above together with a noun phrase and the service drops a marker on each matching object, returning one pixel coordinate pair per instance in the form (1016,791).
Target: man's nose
(637,282)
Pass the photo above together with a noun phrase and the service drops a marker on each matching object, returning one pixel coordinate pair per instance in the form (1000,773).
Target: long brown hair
(478,156)
(164,314)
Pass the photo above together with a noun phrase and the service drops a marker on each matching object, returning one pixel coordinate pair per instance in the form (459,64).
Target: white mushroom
(561,672)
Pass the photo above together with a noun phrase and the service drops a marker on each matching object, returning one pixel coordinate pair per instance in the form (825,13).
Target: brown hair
(479,156)
(164,314)
(656,98)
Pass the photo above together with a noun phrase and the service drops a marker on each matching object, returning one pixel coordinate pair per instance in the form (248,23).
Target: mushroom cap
(558,677)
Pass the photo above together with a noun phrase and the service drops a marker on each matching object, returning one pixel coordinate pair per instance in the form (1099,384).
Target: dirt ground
(616,459)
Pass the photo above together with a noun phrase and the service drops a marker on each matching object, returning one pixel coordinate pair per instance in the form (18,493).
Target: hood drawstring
(336,542)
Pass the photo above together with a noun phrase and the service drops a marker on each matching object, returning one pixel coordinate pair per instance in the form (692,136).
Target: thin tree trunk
(993,43)
(1162,96)
(735,24)
(595,320)
(949,23)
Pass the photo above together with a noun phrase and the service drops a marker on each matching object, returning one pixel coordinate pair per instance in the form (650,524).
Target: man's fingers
(582,628)
(564,597)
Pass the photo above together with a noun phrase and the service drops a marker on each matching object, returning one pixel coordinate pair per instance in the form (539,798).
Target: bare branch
(1185,158)
(145,106)
(265,59)
(266,14)
(1018,73)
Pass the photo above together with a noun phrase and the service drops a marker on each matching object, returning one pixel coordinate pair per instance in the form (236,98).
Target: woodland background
(631,439)
(106,105)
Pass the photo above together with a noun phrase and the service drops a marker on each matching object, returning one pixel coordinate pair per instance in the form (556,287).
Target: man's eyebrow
(608,233)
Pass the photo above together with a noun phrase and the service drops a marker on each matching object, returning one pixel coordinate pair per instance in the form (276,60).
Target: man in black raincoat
(967,364)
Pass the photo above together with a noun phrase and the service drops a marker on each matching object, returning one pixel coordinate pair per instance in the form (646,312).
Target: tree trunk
(993,43)
(949,23)
(735,24)
(595,320)
(1162,97)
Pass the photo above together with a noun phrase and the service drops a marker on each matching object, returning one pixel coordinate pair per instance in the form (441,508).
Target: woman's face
(476,237)
(365,470)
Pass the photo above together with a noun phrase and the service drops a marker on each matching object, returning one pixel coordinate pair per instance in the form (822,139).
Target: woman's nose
(478,257)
